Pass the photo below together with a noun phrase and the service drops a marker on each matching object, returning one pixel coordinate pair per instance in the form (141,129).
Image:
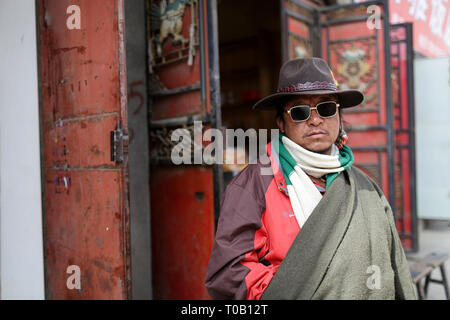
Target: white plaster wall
(432,113)
(21,249)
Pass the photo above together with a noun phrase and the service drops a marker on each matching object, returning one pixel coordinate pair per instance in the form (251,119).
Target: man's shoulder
(253,172)
(254,178)
(364,180)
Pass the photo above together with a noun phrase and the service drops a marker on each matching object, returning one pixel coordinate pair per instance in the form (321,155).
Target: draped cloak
(348,248)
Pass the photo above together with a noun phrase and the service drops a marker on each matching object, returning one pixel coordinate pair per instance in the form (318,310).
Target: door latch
(119,144)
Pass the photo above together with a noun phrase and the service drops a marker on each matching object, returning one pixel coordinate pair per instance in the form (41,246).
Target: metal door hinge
(119,144)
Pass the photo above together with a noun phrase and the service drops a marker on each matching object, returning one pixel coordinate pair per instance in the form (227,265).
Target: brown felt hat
(306,76)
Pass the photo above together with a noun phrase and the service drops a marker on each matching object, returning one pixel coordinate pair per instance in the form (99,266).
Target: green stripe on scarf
(288,163)
(346,159)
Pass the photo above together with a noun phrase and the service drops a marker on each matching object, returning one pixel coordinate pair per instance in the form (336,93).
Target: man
(316,227)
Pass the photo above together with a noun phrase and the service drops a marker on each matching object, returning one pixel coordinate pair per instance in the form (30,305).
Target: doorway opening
(250,59)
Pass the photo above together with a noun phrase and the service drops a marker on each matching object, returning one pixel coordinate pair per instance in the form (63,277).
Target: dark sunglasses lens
(300,113)
(327,109)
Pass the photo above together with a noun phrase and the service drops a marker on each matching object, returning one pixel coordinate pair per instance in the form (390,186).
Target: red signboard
(431,24)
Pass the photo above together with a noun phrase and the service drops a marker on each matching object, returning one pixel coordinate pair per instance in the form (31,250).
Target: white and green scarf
(295,161)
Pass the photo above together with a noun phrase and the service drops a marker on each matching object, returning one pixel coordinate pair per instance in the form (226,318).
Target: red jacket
(255,230)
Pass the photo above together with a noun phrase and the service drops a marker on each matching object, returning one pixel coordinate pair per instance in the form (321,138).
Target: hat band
(317,85)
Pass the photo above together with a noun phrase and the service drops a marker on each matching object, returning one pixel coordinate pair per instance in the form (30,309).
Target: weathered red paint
(82,225)
(182,228)
(85,202)
(169,75)
(182,205)
(177,106)
(403,140)
(78,142)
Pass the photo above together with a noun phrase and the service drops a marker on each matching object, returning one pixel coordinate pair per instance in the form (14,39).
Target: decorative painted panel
(182,196)
(298,20)
(358,57)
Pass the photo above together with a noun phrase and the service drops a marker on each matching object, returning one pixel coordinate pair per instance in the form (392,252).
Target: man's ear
(280,123)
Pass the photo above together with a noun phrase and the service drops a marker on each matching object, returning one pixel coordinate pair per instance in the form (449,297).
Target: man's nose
(314,119)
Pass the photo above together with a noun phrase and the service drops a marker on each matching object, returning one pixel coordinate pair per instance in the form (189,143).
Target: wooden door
(299,29)
(402,78)
(359,56)
(184,91)
(84,138)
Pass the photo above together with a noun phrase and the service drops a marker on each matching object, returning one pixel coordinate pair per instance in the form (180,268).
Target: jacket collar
(276,168)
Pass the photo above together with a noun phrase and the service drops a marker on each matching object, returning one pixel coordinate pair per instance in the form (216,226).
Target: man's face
(316,134)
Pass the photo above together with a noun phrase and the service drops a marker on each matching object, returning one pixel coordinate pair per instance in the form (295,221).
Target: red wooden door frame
(403,104)
(83,99)
(184,197)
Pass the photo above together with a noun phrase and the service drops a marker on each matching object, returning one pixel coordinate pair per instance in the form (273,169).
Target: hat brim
(347,98)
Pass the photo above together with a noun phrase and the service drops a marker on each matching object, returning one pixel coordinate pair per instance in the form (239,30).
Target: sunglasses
(326,109)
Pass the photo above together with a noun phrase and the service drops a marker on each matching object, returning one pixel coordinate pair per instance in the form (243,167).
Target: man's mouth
(316,134)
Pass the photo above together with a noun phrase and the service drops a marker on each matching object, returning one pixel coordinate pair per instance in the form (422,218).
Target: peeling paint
(80,49)
(78,114)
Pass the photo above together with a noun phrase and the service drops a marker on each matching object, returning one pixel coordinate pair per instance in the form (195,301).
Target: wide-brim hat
(308,76)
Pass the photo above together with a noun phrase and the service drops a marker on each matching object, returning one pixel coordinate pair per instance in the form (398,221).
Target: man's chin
(320,149)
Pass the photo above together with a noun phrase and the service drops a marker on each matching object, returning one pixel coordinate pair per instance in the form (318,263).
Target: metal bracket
(118,144)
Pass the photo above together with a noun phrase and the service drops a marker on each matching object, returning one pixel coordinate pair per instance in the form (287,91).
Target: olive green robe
(348,248)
